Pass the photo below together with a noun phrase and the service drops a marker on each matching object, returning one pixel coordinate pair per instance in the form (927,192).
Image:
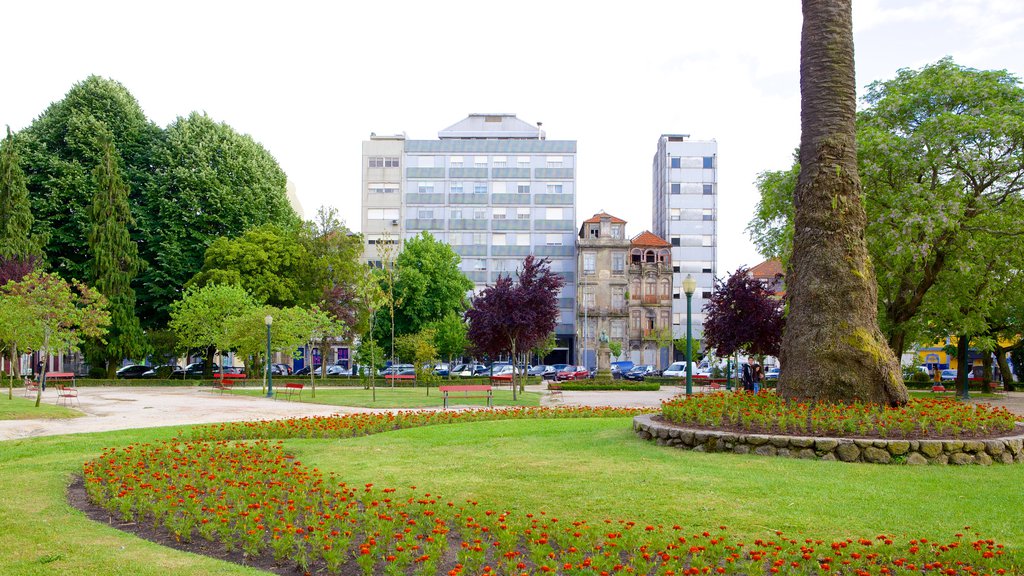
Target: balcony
(467,198)
(654,300)
(516,224)
(510,250)
(465,250)
(418,198)
(594,310)
(514,198)
(424,224)
(415,172)
(659,267)
(553,173)
(516,173)
(465,224)
(467,173)
(554,225)
(553,199)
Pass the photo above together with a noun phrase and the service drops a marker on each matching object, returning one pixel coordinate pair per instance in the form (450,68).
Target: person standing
(747,374)
(757,377)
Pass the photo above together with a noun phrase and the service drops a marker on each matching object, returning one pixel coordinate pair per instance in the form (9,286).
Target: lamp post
(689,286)
(270,374)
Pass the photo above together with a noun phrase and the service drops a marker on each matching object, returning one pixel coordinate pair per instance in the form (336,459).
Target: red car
(573,373)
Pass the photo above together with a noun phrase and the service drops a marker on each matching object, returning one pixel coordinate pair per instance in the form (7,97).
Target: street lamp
(270,374)
(689,286)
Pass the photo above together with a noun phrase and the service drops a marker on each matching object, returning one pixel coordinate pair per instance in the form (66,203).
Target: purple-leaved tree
(512,317)
(743,314)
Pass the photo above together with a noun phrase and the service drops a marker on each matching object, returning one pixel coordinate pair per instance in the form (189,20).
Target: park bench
(290,389)
(392,377)
(67,392)
(225,382)
(466,389)
(938,388)
(555,390)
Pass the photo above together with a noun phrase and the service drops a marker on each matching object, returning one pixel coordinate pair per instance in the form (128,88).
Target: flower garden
(238,485)
(767,413)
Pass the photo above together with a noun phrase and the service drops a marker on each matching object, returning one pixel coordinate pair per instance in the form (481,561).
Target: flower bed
(767,413)
(254,498)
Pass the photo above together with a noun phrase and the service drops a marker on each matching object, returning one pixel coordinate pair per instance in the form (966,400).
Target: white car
(678,370)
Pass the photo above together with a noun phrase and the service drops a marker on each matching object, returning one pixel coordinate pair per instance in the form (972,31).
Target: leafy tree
(370,356)
(663,339)
(213,182)
(17,245)
(60,149)
(247,334)
(832,348)
(372,298)
(334,269)
(450,338)
(742,315)
(544,347)
(942,166)
(114,263)
(163,344)
(420,350)
(509,317)
(615,347)
(202,317)
(428,285)
(266,261)
(62,314)
(323,328)
(17,328)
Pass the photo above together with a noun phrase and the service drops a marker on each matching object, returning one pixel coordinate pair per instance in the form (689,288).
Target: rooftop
(649,239)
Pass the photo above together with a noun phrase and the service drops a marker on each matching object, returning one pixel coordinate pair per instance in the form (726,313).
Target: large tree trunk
(1004,368)
(832,349)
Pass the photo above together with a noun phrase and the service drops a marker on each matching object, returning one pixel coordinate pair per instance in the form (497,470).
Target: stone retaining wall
(1006,450)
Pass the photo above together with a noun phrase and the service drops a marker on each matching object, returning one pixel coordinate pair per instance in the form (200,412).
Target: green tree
(832,348)
(266,261)
(18,331)
(420,351)
(334,270)
(202,318)
(16,240)
(213,182)
(544,347)
(370,357)
(114,263)
(450,338)
(428,285)
(62,313)
(247,334)
(615,347)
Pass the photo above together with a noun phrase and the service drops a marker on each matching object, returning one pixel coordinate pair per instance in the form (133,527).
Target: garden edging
(1007,450)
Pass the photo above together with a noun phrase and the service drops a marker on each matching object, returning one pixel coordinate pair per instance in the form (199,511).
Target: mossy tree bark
(832,349)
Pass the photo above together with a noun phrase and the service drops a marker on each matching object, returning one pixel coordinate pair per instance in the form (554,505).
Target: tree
(663,339)
(114,263)
(17,244)
(213,182)
(615,347)
(742,315)
(202,317)
(266,261)
(371,298)
(18,328)
(247,333)
(62,313)
(546,345)
(428,284)
(419,349)
(832,348)
(942,166)
(508,316)
(450,338)
(334,269)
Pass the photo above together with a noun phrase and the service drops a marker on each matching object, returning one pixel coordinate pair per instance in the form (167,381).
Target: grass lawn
(20,408)
(949,393)
(404,397)
(575,468)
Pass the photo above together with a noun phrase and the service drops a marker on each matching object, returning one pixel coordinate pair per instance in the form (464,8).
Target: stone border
(1006,450)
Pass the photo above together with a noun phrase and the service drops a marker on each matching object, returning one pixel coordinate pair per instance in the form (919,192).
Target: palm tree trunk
(832,349)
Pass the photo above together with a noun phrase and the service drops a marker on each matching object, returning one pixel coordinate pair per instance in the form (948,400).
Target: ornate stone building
(625,289)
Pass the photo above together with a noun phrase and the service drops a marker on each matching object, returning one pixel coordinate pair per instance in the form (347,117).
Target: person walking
(747,374)
(757,377)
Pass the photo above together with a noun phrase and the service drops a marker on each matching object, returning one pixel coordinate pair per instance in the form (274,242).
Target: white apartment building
(493,187)
(685,212)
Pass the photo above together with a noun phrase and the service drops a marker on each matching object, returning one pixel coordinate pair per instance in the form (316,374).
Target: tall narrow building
(686,214)
(493,187)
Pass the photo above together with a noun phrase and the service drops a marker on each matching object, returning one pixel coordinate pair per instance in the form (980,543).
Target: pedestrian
(747,374)
(757,377)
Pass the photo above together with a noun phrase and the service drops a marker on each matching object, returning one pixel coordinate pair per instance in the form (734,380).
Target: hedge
(598,384)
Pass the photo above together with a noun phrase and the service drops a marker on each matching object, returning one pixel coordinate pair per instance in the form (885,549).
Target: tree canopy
(17,244)
(202,318)
(743,315)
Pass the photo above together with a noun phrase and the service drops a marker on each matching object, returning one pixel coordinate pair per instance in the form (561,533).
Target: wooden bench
(555,390)
(466,389)
(392,377)
(290,389)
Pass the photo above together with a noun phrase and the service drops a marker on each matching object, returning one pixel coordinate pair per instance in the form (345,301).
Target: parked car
(134,371)
(280,370)
(304,371)
(772,374)
(640,372)
(471,370)
(544,371)
(504,367)
(573,373)
(152,372)
(196,369)
(338,370)
(396,369)
(621,367)
(442,369)
(678,370)
(948,374)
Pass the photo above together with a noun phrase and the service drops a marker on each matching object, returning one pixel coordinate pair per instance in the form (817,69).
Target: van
(678,370)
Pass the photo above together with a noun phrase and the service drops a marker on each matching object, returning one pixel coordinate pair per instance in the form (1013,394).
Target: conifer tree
(18,249)
(114,263)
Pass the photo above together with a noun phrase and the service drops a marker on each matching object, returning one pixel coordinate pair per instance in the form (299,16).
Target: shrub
(598,384)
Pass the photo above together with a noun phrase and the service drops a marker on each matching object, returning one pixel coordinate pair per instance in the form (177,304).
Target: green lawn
(949,393)
(575,468)
(403,397)
(20,408)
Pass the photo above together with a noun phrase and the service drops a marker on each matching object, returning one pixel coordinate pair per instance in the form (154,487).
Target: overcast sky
(311,81)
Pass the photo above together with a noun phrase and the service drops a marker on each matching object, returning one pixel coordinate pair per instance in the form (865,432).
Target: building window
(479,214)
(523,214)
(375,162)
(709,161)
(589,262)
(474,238)
(617,331)
(480,161)
(479,187)
(522,239)
(618,300)
(425,214)
(479,265)
(381,188)
(456,214)
(677,318)
(391,162)
(554,188)
(553,239)
(705,267)
(498,240)
(708,214)
(456,188)
(618,262)
(707,240)
(676,188)
(553,214)
(675,213)
(675,269)
(709,189)
(522,187)
(635,318)
(425,161)
(676,162)
(499,162)
(588,296)
(705,295)
(593,231)
(616,231)
(676,296)
(497,187)
(675,240)
(522,161)
(382,214)
(425,188)
(554,161)
(498,214)
(455,162)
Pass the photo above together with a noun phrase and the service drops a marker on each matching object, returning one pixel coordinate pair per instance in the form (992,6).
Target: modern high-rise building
(493,187)
(686,214)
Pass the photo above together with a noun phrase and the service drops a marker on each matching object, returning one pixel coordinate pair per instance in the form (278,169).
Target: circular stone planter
(1007,450)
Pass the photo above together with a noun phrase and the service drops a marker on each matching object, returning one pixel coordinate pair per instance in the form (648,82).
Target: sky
(311,80)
